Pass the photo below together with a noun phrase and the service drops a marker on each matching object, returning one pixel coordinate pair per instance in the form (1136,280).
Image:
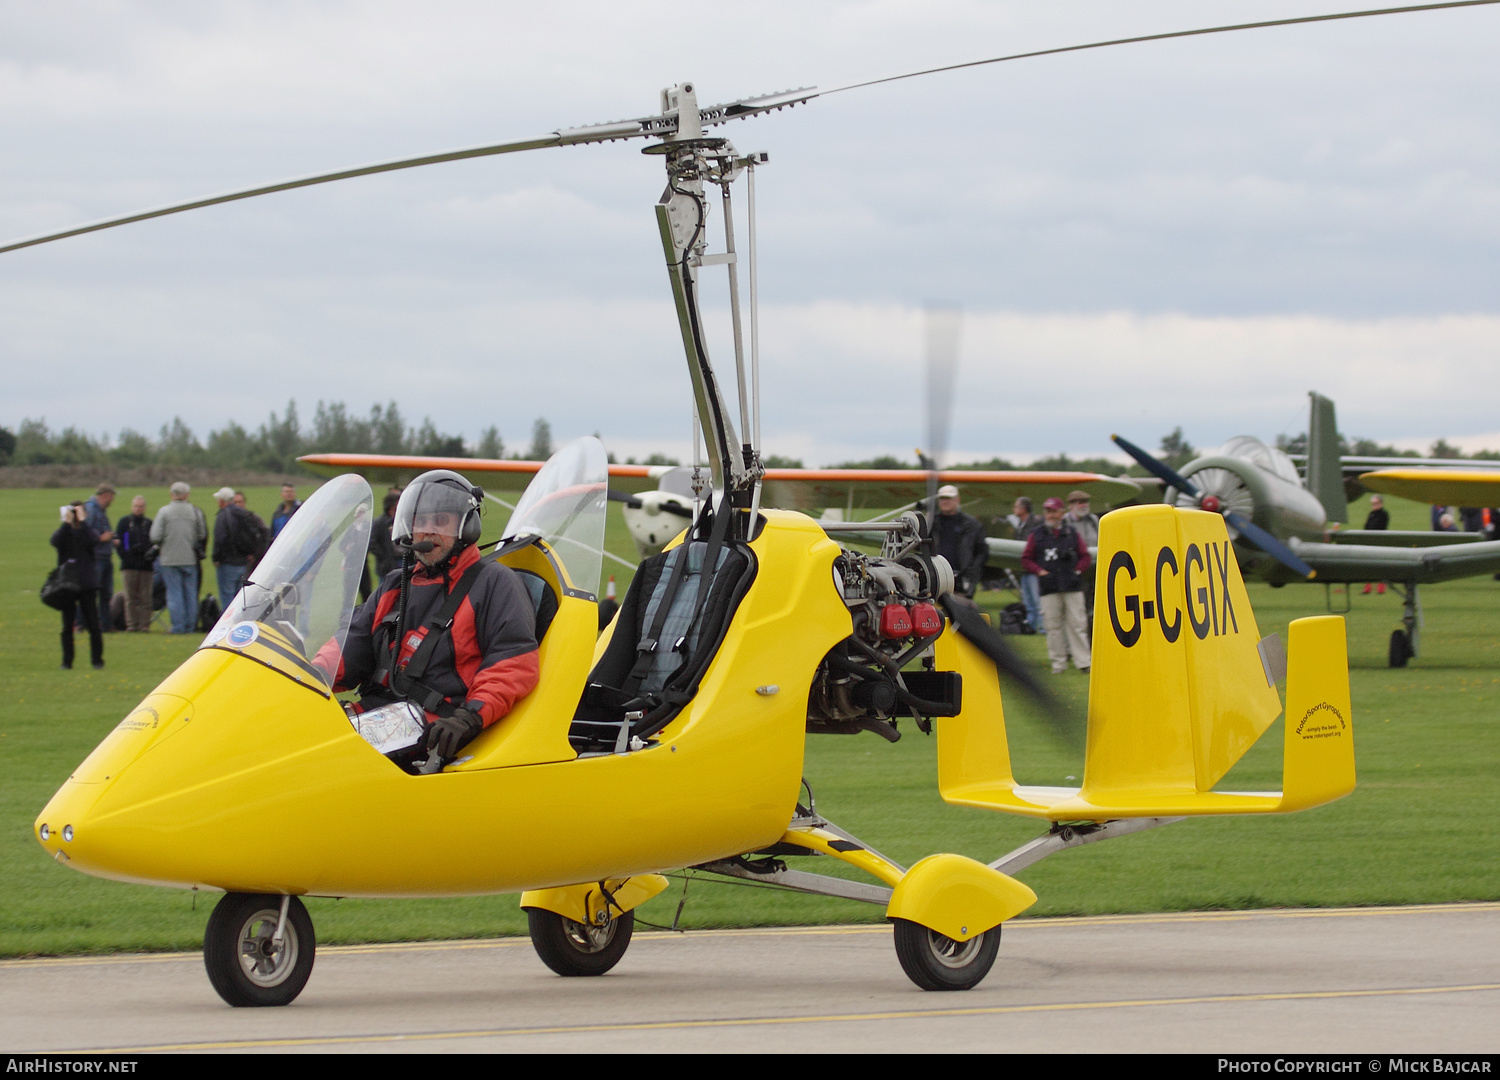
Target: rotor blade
(1163,37)
(1270,545)
(1160,469)
(642,127)
(554,139)
(942,324)
(969,622)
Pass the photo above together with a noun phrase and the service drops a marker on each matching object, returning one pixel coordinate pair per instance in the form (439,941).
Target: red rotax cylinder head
(925,620)
(895,622)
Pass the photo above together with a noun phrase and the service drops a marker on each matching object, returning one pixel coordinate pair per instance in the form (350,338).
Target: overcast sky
(1193,233)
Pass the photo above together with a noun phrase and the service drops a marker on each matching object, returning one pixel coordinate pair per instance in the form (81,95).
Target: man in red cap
(1058,556)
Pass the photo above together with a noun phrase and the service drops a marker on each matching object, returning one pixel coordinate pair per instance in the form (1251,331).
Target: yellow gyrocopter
(242,771)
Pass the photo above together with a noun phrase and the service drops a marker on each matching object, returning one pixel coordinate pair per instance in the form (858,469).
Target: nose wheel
(573,948)
(935,962)
(249,963)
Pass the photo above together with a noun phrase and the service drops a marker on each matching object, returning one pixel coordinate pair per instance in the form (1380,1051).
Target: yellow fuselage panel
(267,788)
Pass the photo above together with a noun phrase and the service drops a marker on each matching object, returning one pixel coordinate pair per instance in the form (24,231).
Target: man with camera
(75,541)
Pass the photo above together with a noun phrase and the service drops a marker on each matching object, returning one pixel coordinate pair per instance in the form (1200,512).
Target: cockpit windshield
(1269,458)
(301,596)
(564,505)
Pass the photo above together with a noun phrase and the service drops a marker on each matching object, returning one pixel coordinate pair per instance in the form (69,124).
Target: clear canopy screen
(564,505)
(299,599)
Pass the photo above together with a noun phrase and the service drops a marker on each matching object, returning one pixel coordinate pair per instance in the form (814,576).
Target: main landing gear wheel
(572,948)
(1400,648)
(935,962)
(245,962)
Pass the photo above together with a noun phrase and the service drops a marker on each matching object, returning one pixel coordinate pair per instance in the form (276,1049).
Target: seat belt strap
(408,681)
(710,564)
(647,646)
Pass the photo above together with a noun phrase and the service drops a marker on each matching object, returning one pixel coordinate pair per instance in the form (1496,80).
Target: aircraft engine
(1257,482)
(860,685)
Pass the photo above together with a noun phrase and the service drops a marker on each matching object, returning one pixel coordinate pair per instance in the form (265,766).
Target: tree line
(274,446)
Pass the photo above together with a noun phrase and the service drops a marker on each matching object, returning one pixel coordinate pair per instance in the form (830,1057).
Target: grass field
(1419,828)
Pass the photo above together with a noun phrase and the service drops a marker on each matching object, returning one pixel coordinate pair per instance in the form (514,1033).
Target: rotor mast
(693,161)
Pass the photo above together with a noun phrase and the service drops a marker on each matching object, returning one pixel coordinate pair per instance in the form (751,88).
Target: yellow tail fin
(1178,692)
(1319,753)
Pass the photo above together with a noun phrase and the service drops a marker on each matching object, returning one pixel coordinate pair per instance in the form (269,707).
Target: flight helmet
(441,502)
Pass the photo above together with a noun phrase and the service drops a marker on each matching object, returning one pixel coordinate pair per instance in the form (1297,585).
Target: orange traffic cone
(609,589)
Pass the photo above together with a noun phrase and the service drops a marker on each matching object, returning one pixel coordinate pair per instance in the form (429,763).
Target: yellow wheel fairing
(957,897)
(587,902)
(269,789)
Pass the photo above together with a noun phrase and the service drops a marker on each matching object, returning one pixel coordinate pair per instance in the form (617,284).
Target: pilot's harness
(407,682)
(658,698)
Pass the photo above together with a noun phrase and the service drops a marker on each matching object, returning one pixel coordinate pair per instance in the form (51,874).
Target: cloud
(1190,232)
(1034,383)
(839,381)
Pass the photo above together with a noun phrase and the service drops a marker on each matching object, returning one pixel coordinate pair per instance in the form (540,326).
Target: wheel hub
(950,953)
(265,961)
(590,939)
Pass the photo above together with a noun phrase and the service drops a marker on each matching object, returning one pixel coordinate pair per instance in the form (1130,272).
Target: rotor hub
(1212,504)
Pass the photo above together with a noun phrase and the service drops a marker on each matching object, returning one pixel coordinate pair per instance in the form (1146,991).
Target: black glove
(449,734)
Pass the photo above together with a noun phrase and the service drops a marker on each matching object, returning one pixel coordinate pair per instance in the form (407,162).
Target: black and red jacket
(488,660)
(1061,552)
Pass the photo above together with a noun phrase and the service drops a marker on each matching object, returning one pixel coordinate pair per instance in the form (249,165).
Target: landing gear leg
(258,949)
(1404,641)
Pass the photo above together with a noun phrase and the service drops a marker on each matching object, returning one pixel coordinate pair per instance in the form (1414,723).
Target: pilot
(446,631)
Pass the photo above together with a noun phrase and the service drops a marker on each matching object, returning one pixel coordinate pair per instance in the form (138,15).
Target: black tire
(244,964)
(935,962)
(571,949)
(1400,648)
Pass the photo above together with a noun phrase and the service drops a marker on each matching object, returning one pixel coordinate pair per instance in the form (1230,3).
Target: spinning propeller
(1246,528)
(943,323)
(1063,719)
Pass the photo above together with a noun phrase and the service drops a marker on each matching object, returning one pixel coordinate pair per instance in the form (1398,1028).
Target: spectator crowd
(161,560)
